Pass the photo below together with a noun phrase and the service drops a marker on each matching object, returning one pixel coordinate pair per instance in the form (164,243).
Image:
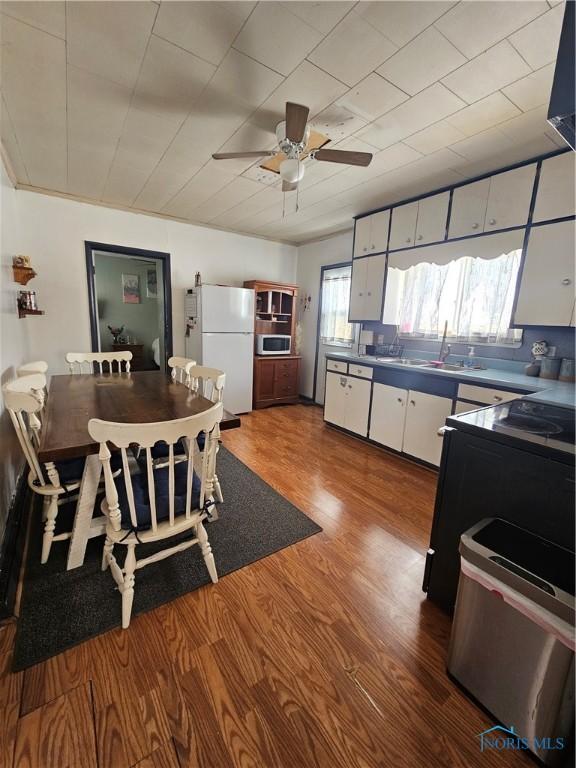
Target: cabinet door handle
(360,294)
(369,293)
(412,402)
(475,225)
(373,247)
(400,400)
(441,431)
(420,237)
(498,398)
(365,247)
(566,281)
(492,222)
(408,239)
(349,386)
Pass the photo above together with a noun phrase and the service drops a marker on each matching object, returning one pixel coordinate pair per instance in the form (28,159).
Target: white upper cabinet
(509,198)
(546,293)
(371,234)
(367,288)
(432,215)
(555,195)
(469,209)
(403,226)
(362,236)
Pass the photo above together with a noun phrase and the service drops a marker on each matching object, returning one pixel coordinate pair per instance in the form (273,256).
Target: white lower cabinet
(425,414)
(408,421)
(388,415)
(347,402)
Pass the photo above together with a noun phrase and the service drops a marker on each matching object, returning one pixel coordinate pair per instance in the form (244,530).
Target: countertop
(541,390)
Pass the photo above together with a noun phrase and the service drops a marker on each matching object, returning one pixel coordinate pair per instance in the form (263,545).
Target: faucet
(444,354)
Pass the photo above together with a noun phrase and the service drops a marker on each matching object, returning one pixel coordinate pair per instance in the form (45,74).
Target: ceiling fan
(297,142)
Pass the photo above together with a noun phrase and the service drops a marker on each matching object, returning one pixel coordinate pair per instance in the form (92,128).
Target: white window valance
(485,247)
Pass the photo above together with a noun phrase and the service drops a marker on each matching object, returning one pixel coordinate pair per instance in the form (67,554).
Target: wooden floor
(324,654)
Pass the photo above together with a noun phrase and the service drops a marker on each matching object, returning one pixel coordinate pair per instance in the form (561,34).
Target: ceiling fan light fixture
(291,171)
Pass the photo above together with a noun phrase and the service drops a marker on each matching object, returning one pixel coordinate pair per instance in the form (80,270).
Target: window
(334,326)
(474,296)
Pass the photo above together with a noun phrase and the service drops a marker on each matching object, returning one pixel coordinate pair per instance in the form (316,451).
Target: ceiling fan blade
(296,119)
(288,186)
(233,155)
(342,156)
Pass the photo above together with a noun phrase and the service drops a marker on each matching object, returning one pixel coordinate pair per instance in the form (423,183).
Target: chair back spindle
(24,401)
(180,369)
(208,382)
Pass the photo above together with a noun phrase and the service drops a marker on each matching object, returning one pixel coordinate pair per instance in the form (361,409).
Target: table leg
(84,510)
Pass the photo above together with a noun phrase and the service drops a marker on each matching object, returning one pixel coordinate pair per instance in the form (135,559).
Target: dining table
(133,398)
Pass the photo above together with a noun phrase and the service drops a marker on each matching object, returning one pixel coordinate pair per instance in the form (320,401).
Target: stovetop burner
(532,424)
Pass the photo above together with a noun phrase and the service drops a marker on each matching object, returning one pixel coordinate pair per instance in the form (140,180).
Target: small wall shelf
(23,275)
(23,312)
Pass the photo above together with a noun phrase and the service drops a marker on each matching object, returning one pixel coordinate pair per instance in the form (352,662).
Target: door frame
(119,250)
(323,269)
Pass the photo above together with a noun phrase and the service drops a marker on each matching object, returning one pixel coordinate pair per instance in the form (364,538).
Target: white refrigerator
(220,334)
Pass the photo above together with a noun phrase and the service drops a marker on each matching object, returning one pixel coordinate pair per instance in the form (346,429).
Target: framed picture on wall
(151,284)
(130,289)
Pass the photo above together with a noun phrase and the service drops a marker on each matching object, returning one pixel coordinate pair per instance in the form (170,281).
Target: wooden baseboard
(12,548)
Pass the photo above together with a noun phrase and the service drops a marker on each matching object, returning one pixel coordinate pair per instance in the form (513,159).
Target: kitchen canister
(567,370)
(550,367)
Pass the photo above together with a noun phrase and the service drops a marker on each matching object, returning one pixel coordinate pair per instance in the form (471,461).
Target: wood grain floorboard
(323,655)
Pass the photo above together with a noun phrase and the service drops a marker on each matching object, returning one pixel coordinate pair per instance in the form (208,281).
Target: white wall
(311,257)
(53,231)
(14,347)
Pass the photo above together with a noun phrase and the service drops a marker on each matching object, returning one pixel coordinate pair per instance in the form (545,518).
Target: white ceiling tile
(484,114)
(429,57)
(483,145)
(528,125)
(323,16)
(238,190)
(499,66)
(533,90)
(436,136)
(241,79)
(352,50)
(10,143)
(337,122)
(372,97)
(427,107)
(123,182)
(109,38)
(277,38)
(97,109)
(307,85)
(475,26)
(515,152)
(49,17)
(209,180)
(249,207)
(170,80)
(34,88)
(401,21)
(162,185)
(538,41)
(206,29)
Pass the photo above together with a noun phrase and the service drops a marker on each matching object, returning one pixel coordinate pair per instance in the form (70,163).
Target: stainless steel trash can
(512,643)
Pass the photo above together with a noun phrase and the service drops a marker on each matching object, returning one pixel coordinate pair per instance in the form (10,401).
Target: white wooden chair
(23,399)
(180,369)
(164,500)
(36,366)
(94,362)
(210,383)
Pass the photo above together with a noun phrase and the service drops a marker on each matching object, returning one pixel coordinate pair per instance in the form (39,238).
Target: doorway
(334,332)
(130,302)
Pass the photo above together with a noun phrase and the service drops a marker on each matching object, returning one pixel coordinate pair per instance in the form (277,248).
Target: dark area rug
(62,608)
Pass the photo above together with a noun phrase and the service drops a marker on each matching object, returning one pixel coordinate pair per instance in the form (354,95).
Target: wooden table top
(132,398)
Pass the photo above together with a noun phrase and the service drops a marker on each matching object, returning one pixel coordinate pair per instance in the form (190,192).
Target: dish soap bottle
(471,359)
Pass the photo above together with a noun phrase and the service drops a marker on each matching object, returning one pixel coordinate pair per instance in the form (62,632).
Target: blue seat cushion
(142,496)
(160,450)
(71,470)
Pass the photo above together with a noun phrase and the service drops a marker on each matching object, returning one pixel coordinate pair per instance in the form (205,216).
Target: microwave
(272,344)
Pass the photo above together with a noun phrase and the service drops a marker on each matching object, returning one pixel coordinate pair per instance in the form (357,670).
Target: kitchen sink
(403,361)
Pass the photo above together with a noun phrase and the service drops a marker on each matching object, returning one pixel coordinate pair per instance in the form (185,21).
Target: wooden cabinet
(432,217)
(408,421)
(275,380)
(388,415)
(367,287)
(347,402)
(509,198)
(425,414)
(546,292)
(371,234)
(555,194)
(138,362)
(469,209)
(403,226)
